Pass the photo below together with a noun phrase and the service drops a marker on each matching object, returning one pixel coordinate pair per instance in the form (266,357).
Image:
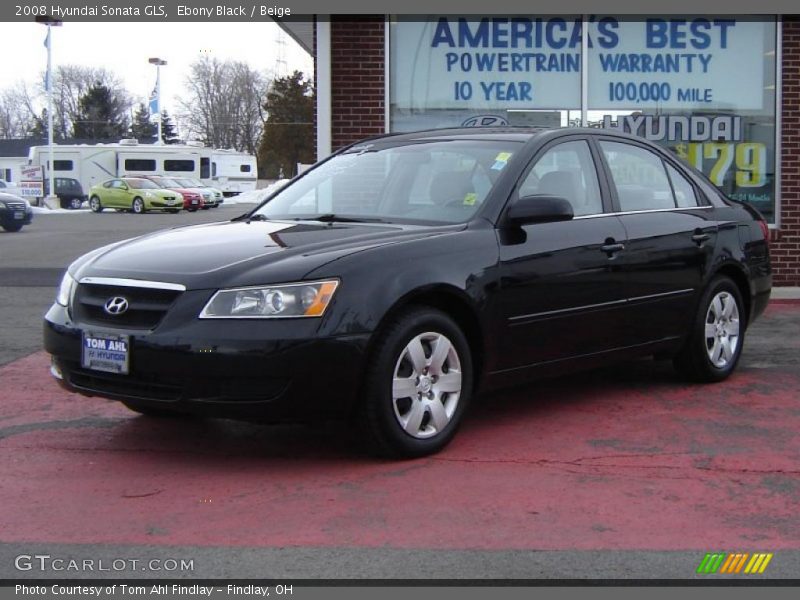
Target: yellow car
(134,194)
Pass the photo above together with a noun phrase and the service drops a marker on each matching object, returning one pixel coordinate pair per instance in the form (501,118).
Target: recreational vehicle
(230,171)
(233,172)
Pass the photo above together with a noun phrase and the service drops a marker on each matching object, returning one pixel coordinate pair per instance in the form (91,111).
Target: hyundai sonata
(394,279)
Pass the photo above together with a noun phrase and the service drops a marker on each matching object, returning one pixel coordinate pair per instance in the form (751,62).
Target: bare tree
(21,106)
(18,116)
(223,104)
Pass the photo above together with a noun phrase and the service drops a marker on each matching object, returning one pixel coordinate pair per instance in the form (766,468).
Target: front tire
(138,206)
(12,228)
(715,342)
(418,385)
(95,204)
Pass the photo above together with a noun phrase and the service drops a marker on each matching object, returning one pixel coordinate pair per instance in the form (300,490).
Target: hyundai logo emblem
(116,305)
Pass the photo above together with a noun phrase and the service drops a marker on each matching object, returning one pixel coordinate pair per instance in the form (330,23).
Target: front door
(562,295)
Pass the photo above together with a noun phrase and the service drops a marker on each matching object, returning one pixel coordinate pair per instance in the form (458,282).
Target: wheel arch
(739,277)
(455,304)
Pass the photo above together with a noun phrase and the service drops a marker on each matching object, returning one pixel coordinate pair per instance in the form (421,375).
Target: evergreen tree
(101,115)
(288,136)
(39,129)
(142,128)
(169,133)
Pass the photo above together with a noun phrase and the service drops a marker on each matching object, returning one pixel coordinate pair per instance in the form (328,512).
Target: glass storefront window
(702,86)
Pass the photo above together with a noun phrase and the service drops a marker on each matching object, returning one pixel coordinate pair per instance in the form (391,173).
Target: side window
(684,192)
(639,177)
(567,171)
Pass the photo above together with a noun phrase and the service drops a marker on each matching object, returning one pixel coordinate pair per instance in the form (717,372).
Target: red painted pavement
(628,458)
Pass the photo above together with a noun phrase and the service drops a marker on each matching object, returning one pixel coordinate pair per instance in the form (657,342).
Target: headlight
(276,301)
(65,290)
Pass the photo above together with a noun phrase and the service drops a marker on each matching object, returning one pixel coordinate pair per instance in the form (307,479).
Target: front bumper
(254,370)
(7,217)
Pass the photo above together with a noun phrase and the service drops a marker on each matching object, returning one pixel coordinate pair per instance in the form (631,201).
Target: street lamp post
(158,62)
(50,22)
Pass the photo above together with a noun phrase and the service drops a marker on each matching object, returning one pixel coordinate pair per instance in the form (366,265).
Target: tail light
(764,230)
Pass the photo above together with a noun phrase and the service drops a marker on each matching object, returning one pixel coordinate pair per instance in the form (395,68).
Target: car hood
(236,253)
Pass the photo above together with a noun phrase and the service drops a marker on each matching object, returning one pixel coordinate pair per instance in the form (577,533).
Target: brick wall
(786,241)
(357,77)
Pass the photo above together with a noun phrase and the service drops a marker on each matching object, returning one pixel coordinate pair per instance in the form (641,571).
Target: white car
(9,188)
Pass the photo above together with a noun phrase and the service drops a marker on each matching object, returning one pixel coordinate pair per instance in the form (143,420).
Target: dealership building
(722,92)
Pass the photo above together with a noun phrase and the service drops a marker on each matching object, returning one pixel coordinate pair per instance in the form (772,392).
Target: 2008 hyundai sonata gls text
(393,280)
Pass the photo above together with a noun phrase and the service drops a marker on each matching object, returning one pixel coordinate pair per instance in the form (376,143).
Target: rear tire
(95,204)
(76,203)
(715,341)
(418,385)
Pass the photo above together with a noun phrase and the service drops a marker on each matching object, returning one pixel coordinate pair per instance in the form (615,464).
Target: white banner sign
(31,173)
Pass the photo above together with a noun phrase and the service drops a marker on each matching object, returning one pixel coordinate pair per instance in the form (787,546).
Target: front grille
(169,197)
(206,196)
(14,205)
(146,306)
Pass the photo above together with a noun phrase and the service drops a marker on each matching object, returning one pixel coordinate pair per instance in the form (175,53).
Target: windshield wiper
(334,218)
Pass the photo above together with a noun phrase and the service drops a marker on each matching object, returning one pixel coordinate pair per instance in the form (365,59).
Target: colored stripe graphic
(741,562)
(732,563)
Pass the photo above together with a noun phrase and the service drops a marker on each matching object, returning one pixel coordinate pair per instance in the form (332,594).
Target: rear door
(562,295)
(671,233)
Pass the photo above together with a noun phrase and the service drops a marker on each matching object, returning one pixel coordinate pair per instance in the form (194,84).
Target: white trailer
(233,172)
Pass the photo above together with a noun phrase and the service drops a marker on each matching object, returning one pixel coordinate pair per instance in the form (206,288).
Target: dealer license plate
(109,352)
(19,215)
(194,201)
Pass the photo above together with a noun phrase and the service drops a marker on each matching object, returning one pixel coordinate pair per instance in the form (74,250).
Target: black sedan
(14,212)
(394,279)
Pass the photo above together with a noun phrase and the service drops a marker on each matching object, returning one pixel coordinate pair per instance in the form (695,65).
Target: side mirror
(539,209)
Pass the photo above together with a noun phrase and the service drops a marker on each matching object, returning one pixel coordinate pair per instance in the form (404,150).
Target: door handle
(699,238)
(612,248)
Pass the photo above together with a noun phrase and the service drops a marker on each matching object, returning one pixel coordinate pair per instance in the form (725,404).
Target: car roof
(505,133)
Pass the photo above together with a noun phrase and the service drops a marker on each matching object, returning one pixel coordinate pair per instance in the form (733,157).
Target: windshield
(186,182)
(141,184)
(441,181)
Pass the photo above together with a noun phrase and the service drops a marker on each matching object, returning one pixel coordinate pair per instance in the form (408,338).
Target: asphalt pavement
(625,472)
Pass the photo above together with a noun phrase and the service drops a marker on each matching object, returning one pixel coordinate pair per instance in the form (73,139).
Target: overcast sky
(125,47)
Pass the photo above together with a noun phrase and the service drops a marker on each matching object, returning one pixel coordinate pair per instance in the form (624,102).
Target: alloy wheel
(427,385)
(722,329)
